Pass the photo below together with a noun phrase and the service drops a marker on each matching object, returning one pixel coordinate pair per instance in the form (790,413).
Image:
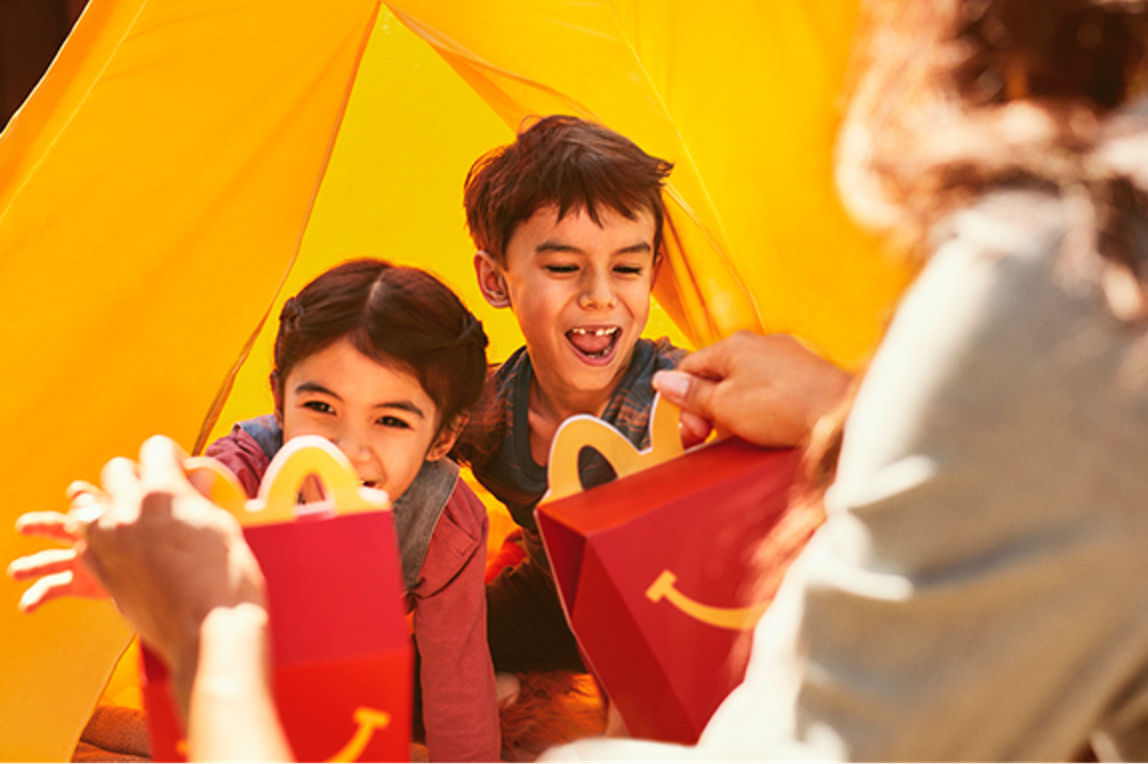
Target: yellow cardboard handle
(279,490)
(583,431)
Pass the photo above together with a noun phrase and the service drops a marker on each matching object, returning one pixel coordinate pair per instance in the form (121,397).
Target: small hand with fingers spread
(147,535)
(769,390)
(179,569)
(165,553)
(59,572)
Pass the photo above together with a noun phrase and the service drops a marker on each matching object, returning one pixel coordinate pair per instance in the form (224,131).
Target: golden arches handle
(583,430)
(369,720)
(216,482)
(279,491)
(726,618)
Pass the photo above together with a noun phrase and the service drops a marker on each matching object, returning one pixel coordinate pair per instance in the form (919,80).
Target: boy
(568,225)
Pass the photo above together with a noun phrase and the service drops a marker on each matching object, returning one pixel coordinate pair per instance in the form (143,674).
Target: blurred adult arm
(767,389)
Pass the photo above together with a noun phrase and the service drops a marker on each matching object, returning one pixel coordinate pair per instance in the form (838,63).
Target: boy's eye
(629,270)
(562,268)
(393,421)
(321,407)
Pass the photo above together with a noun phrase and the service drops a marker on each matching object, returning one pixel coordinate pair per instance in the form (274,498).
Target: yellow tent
(186,163)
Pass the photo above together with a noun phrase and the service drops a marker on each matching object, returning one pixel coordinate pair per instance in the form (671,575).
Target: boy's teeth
(593,342)
(595,332)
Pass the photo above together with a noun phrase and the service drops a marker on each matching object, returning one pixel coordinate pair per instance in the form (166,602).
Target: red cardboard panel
(652,570)
(335,575)
(340,648)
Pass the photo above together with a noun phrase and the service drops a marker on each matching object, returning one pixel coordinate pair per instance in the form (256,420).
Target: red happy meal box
(340,647)
(652,568)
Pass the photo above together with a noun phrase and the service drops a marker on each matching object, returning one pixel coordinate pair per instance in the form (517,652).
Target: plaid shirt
(496,441)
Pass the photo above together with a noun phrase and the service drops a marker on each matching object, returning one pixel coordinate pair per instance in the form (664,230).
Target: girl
(384,362)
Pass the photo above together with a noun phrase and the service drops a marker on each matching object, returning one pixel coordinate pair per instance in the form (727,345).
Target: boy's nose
(596,292)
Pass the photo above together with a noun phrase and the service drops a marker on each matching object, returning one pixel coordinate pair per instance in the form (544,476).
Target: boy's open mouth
(594,344)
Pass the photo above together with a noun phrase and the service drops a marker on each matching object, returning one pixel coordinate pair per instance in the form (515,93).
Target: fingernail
(672,384)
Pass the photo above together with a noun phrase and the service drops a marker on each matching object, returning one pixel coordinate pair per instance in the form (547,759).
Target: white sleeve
(979,589)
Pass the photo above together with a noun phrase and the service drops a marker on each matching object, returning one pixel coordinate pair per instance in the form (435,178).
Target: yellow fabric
(393,189)
(743,97)
(158,186)
(151,207)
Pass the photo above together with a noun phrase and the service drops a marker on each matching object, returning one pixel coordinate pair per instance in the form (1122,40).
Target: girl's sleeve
(241,454)
(457,678)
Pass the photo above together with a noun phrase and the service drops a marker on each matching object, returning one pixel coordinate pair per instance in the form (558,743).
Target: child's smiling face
(377,414)
(581,294)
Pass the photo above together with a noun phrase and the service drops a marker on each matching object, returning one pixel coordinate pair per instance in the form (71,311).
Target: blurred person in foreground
(979,590)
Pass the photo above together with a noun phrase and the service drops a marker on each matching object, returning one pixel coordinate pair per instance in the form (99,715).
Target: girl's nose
(353,446)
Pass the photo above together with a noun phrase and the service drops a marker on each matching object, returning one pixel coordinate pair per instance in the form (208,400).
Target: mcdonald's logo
(725,618)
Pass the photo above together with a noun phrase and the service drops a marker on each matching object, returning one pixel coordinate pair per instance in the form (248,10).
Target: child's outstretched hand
(59,572)
(769,390)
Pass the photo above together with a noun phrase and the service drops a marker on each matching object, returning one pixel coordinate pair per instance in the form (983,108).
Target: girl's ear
(490,280)
(277,395)
(446,438)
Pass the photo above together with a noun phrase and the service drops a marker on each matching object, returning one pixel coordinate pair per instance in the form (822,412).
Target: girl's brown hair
(391,314)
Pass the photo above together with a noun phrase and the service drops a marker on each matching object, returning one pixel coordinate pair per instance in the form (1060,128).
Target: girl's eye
(321,407)
(629,270)
(393,421)
(562,268)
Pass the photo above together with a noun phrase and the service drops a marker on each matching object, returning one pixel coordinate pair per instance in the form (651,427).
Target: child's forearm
(227,690)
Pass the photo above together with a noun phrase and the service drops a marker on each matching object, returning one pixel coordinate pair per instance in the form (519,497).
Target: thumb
(694,394)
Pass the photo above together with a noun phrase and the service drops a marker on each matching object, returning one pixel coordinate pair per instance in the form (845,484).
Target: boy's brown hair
(570,163)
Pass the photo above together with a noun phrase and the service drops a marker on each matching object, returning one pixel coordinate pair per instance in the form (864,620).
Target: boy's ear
(446,438)
(490,280)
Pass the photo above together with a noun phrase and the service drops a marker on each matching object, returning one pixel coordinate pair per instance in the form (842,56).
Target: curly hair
(957,97)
